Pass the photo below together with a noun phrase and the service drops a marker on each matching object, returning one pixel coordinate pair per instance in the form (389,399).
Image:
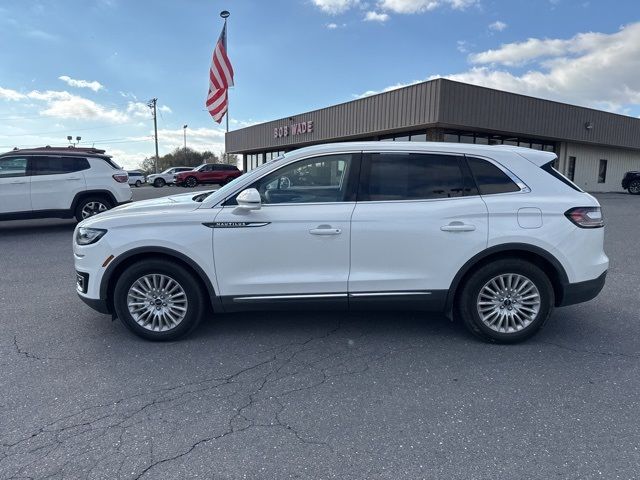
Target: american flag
(220,78)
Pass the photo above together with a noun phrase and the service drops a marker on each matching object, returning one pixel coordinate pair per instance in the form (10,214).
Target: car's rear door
(56,180)
(418,219)
(15,185)
(296,247)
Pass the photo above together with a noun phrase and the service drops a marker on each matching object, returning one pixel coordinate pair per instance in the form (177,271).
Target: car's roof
(538,157)
(71,151)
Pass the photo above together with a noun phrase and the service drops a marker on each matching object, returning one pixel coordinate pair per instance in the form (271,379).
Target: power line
(66,130)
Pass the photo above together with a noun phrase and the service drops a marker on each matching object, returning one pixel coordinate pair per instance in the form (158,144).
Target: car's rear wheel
(191,182)
(159,182)
(90,206)
(634,187)
(138,183)
(158,300)
(506,301)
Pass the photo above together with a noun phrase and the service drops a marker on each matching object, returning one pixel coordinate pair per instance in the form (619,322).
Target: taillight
(121,177)
(586,217)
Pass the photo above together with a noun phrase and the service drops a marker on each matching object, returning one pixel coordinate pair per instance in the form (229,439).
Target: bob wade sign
(293,129)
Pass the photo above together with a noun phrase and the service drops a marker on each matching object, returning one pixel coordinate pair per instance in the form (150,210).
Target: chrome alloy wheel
(634,187)
(93,208)
(508,303)
(157,302)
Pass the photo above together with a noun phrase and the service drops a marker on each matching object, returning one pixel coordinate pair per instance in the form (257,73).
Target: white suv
(491,235)
(60,182)
(166,178)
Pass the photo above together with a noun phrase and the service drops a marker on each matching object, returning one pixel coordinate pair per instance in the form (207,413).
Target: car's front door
(418,219)
(15,185)
(297,245)
(55,181)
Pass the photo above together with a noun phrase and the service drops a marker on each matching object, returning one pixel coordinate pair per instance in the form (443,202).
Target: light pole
(184,129)
(70,139)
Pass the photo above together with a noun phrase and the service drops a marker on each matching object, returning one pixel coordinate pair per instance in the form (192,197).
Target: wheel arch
(536,255)
(92,193)
(120,263)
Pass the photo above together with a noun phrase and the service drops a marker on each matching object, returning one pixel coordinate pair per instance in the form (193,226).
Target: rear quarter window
(490,179)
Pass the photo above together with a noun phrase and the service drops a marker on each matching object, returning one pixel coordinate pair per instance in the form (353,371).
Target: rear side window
(489,178)
(13,167)
(410,176)
(57,165)
(556,174)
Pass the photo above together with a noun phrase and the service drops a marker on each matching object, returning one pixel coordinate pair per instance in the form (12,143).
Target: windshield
(168,170)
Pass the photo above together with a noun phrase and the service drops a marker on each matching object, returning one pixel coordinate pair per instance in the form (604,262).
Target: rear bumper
(582,291)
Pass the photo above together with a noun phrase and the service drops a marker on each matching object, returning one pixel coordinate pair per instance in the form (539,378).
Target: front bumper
(98,305)
(573,293)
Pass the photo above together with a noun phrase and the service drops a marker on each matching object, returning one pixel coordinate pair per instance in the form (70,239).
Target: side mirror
(249,199)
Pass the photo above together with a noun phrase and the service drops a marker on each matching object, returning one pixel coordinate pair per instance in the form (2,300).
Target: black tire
(188,282)
(138,183)
(191,182)
(634,187)
(467,300)
(84,204)
(159,183)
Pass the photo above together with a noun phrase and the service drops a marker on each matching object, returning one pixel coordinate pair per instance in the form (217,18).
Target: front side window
(313,180)
(57,165)
(410,176)
(13,167)
(489,178)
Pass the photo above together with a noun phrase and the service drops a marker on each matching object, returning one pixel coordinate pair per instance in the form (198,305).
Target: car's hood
(173,203)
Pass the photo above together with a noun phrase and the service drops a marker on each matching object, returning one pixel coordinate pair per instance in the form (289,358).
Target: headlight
(87,236)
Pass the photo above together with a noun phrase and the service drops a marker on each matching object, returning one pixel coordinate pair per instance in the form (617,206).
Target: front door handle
(458,227)
(18,182)
(325,230)
(74,178)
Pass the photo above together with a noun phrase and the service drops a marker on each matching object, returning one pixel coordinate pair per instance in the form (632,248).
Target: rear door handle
(325,230)
(74,178)
(18,182)
(458,227)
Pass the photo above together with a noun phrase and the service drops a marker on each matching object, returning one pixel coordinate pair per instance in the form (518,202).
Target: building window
(602,171)
(420,137)
(482,139)
(466,138)
(571,168)
(450,138)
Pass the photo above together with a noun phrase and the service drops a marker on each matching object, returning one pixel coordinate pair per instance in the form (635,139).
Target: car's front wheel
(634,187)
(158,300)
(159,182)
(506,301)
(191,182)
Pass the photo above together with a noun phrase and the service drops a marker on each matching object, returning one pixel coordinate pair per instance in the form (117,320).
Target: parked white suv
(166,178)
(491,235)
(60,182)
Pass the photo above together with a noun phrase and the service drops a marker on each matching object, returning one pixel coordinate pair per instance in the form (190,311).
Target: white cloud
(420,6)
(8,94)
(376,17)
(591,69)
(200,139)
(165,109)
(61,104)
(332,26)
(72,82)
(334,7)
(462,46)
(368,93)
(497,26)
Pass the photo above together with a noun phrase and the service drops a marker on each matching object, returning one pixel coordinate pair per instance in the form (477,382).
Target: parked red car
(219,173)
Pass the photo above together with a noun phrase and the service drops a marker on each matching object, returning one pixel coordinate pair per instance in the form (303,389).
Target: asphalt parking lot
(313,395)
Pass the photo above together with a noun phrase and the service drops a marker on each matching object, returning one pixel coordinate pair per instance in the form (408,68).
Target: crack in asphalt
(68,441)
(592,352)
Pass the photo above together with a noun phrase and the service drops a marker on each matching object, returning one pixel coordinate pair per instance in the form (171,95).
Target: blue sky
(72,67)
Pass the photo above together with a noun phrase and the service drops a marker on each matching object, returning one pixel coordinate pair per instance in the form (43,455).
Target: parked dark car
(631,182)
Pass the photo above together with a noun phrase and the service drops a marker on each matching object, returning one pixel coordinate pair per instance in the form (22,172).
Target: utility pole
(152,105)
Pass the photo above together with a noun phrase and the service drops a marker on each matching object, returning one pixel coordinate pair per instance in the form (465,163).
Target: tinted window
(57,165)
(13,167)
(410,176)
(313,180)
(489,178)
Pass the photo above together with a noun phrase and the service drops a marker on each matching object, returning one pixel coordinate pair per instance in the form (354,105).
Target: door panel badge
(235,224)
